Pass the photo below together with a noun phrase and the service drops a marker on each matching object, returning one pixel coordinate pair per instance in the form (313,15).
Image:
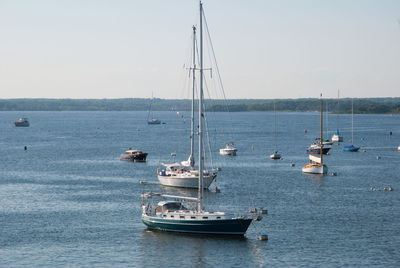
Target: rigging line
(215,60)
(218,72)
(184,81)
(208,138)
(204,109)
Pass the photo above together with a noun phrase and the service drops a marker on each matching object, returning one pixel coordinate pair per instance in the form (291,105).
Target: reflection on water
(196,250)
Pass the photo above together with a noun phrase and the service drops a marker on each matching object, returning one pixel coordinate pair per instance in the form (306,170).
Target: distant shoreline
(361,105)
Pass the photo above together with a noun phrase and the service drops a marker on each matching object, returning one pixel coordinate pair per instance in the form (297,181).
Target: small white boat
(336,137)
(275,156)
(154,121)
(229,149)
(398,148)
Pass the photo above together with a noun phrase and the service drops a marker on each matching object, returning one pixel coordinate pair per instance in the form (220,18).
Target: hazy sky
(265,49)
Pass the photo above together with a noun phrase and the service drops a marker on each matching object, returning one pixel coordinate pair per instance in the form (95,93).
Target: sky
(265,49)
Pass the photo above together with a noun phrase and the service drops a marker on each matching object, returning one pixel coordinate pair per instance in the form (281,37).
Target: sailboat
(327,141)
(337,137)
(316,165)
(184,174)
(351,147)
(150,119)
(174,215)
(275,155)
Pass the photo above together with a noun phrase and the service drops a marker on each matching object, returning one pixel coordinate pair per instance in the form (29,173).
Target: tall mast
(352,121)
(191,157)
(321,143)
(338,111)
(326,116)
(200,196)
(274,128)
(151,102)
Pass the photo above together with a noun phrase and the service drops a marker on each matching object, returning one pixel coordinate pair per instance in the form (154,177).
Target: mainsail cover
(315,159)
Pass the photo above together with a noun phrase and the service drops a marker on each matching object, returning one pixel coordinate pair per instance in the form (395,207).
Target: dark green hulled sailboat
(173,215)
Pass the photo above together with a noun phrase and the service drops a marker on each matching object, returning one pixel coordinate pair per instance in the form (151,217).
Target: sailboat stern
(315,168)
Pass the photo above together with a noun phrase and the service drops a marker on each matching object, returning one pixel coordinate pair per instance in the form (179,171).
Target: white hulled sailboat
(275,155)
(316,165)
(184,174)
(337,137)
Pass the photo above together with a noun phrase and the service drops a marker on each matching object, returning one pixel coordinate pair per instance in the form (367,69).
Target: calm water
(69,201)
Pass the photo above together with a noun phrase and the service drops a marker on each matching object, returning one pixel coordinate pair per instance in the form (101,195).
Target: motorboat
(22,122)
(229,149)
(275,156)
(315,148)
(324,141)
(134,155)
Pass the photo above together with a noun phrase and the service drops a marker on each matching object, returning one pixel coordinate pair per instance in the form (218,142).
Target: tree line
(361,106)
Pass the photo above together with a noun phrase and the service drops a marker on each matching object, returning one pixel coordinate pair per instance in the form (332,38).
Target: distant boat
(134,155)
(398,148)
(337,137)
(275,155)
(327,141)
(175,215)
(150,119)
(22,122)
(229,149)
(316,165)
(154,121)
(351,148)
